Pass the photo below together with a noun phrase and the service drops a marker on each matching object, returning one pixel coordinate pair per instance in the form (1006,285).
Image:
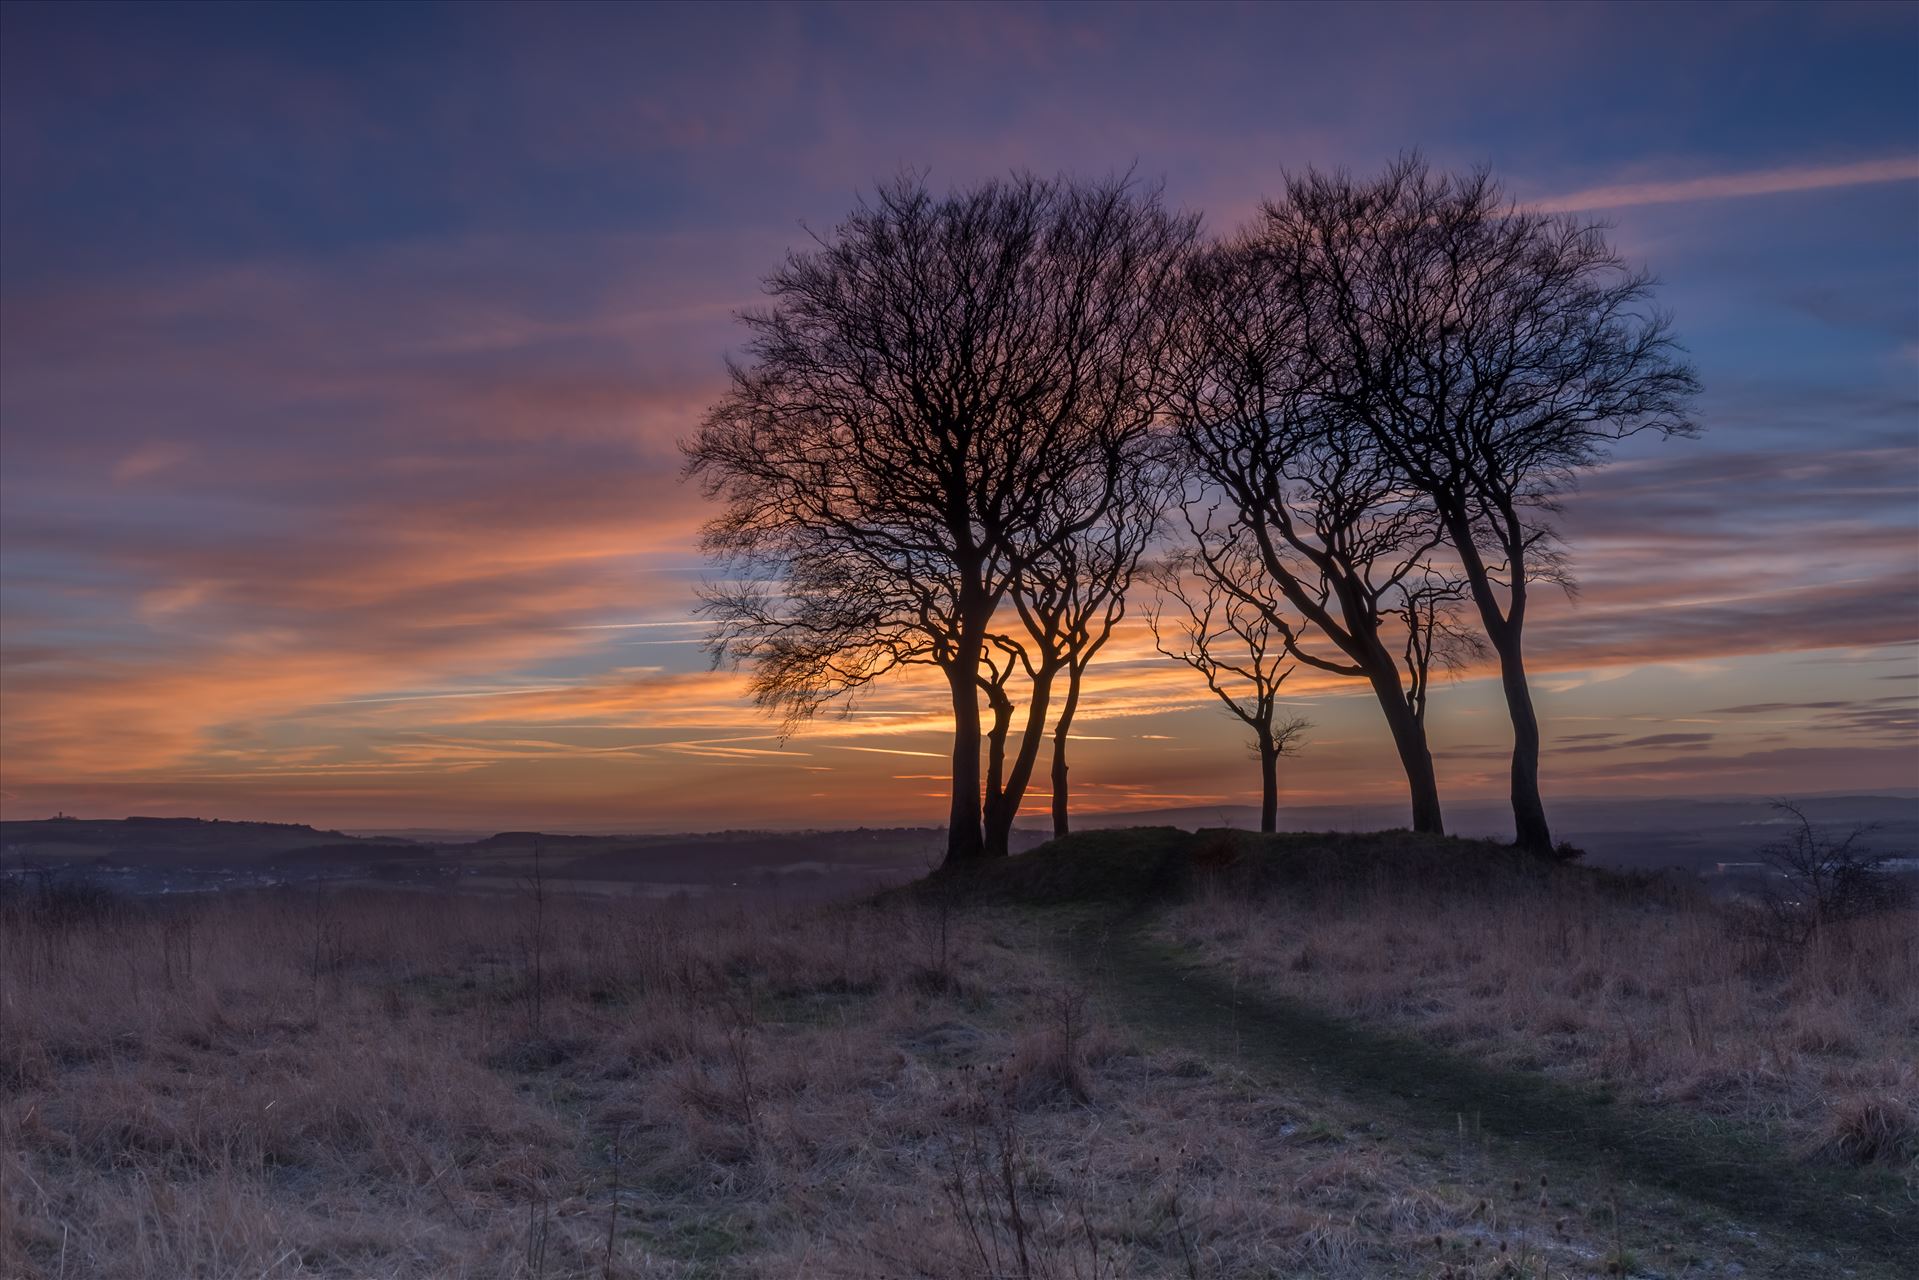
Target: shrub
(1821,881)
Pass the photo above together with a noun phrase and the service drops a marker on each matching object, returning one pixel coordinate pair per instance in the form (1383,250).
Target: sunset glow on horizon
(345,353)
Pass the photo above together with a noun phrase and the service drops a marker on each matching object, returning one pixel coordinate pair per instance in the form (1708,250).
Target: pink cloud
(1731,186)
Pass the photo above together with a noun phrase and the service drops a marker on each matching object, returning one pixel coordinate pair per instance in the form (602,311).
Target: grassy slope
(1103,890)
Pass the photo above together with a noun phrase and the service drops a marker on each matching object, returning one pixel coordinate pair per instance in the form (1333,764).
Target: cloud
(1732,186)
(1698,553)
(1764,708)
(1779,771)
(1894,718)
(1658,741)
(150,459)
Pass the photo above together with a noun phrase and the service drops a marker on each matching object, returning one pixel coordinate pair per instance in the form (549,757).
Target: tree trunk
(997,820)
(995,768)
(1530,830)
(964,838)
(1268,784)
(1504,629)
(1409,738)
(1003,802)
(1062,821)
(1359,640)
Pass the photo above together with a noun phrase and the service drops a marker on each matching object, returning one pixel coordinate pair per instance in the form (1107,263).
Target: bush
(1822,881)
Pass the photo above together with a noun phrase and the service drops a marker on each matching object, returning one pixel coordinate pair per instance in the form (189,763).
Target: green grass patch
(706,1242)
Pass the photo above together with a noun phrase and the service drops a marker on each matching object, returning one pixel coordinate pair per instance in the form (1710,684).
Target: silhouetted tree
(1491,354)
(1236,646)
(1317,511)
(934,403)
(1069,598)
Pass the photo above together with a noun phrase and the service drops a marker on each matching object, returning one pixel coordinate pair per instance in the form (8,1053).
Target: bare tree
(1492,354)
(1317,511)
(1064,604)
(1822,881)
(1070,597)
(927,383)
(1236,646)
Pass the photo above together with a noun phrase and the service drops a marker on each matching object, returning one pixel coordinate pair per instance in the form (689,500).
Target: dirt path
(1827,1221)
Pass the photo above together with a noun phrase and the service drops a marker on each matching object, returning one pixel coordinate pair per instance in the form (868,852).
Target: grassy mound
(1144,865)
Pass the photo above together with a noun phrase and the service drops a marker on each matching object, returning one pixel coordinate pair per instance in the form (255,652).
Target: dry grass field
(1651,989)
(407,1085)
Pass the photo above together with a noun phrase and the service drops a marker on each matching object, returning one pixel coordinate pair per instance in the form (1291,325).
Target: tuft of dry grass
(1870,1127)
(1652,989)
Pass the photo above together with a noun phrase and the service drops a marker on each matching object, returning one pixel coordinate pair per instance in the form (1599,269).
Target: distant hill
(172,855)
(167,841)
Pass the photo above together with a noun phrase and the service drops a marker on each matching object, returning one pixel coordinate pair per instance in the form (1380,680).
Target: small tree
(1240,651)
(1072,596)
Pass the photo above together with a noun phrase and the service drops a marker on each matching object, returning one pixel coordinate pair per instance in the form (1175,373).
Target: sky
(345,349)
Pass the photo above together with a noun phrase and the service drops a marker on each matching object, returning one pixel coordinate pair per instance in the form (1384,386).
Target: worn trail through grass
(1864,1218)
